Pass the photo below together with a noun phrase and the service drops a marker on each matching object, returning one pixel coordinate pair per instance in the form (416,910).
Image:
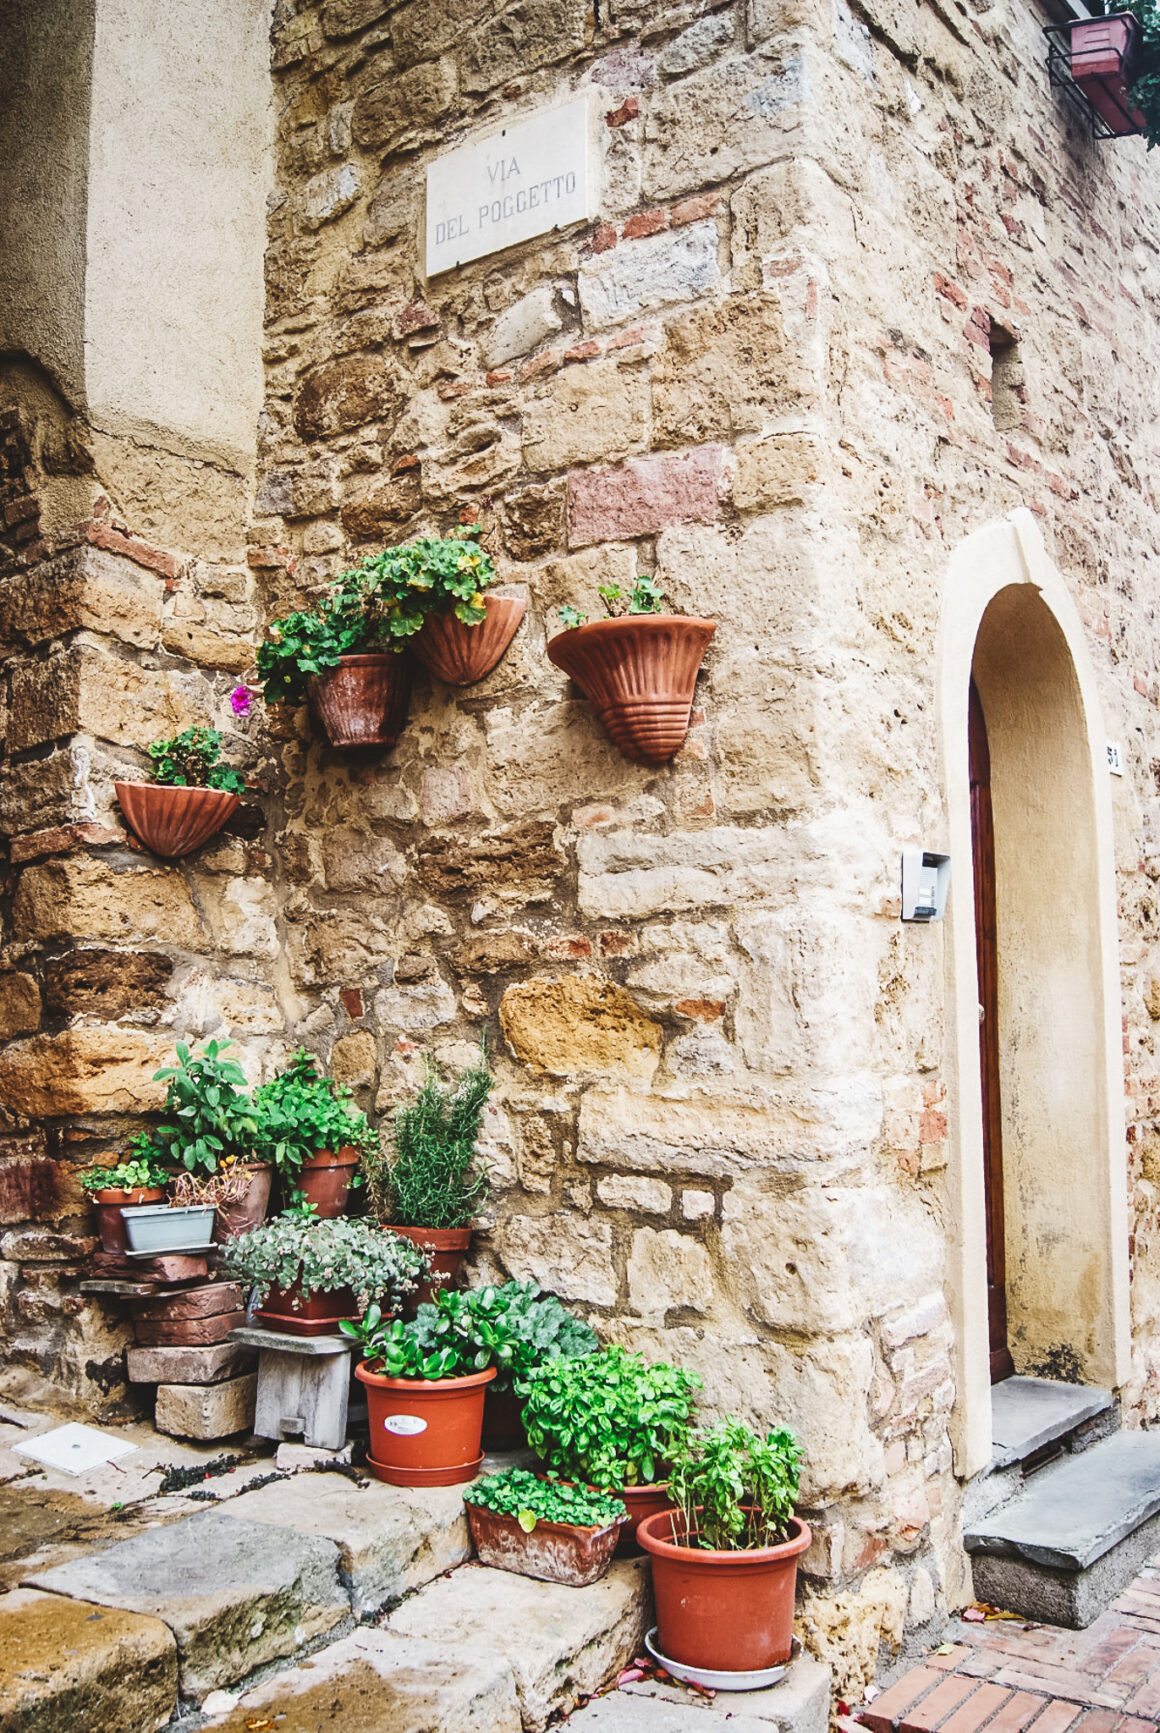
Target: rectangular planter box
(555,1552)
(156,1228)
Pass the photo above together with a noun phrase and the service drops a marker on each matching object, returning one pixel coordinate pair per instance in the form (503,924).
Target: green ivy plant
(733,1489)
(434,1178)
(377,605)
(190,760)
(301,1112)
(516,1492)
(126,1176)
(323,1257)
(645,597)
(209,1115)
(608,1418)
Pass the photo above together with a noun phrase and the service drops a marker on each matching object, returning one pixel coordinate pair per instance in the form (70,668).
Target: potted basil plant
(310,1129)
(112,1191)
(725,1559)
(637,668)
(611,1421)
(307,1274)
(540,1528)
(191,796)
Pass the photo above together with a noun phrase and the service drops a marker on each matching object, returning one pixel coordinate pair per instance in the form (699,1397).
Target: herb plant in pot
(310,1129)
(637,668)
(541,1528)
(425,1382)
(112,1190)
(525,1328)
(724,1561)
(434,1183)
(190,798)
(613,1422)
(309,1275)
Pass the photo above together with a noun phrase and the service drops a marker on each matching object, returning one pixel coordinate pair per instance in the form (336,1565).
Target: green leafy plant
(515,1492)
(439,1342)
(209,1115)
(645,597)
(323,1257)
(434,1178)
(608,1418)
(126,1176)
(524,1328)
(377,605)
(301,1112)
(190,760)
(733,1489)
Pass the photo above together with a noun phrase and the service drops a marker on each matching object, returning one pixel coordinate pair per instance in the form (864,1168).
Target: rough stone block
(65,1667)
(732,116)
(777,470)
(725,370)
(185,1332)
(83,688)
(631,1191)
(799,1704)
(85,898)
(523,326)
(19,1004)
(235,1594)
(204,1302)
(85,588)
(561,1643)
(105,984)
(667,1270)
(95,1070)
(579,1023)
(206,1410)
(594,412)
(577,1266)
(391,1540)
(676,265)
(644,495)
(209,1365)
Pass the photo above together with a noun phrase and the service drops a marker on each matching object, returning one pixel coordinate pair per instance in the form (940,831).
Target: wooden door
(986,956)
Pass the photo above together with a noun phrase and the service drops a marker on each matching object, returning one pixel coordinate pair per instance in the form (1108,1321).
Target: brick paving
(1010,1677)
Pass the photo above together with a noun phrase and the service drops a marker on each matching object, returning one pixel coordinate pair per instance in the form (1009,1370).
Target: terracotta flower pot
(503,1420)
(107,1206)
(1103,54)
(554,1552)
(638,673)
(325,1180)
(731,1611)
(172,822)
(462,654)
(425,1431)
(364,701)
(247,1212)
(445,1247)
(318,1315)
(642,1502)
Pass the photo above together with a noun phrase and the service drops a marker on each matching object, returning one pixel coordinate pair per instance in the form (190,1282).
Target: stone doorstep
(1028,1413)
(799,1704)
(66,1667)
(1073,1512)
(1074,1599)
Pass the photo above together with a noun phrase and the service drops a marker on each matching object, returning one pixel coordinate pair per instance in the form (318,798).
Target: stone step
(1079,1531)
(1027,1414)
(66,1666)
(799,1704)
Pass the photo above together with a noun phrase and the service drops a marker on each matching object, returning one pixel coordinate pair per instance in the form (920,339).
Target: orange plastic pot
(462,654)
(107,1206)
(446,1249)
(425,1431)
(638,673)
(364,701)
(729,1611)
(325,1180)
(172,822)
(642,1502)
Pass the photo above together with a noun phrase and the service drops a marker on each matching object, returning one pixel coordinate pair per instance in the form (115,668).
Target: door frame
(1006,553)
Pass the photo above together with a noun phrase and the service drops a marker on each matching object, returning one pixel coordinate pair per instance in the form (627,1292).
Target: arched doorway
(1041,1093)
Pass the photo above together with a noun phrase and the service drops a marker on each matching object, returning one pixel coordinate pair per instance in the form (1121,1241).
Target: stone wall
(765,372)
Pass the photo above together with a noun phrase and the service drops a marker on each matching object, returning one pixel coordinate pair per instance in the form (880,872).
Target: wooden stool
(302,1385)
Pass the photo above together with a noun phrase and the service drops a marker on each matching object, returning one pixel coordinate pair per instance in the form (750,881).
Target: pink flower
(241,700)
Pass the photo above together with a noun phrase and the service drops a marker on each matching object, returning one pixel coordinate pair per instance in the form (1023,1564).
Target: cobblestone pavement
(1007,1676)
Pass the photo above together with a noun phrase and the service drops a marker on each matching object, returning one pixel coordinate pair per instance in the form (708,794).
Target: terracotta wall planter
(1103,54)
(238,1218)
(638,673)
(462,654)
(325,1180)
(425,1431)
(445,1247)
(317,1315)
(554,1552)
(107,1206)
(172,822)
(364,701)
(728,1611)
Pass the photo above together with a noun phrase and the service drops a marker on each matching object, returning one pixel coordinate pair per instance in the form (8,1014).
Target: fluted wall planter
(638,673)
(462,654)
(364,701)
(170,821)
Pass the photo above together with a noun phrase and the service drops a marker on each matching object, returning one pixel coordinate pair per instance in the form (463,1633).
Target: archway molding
(1006,602)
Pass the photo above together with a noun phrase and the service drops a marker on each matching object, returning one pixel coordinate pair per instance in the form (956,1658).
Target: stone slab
(1027,1413)
(204,1302)
(234,1594)
(183,1332)
(799,1704)
(561,1643)
(65,1667)
(252,1336)
(1074,1511)
(210,1365)
(207,1410)
(1058,1597)
(374,1682)
(390,1539)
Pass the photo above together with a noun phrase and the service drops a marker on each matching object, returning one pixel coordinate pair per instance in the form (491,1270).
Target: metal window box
(1092,60)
